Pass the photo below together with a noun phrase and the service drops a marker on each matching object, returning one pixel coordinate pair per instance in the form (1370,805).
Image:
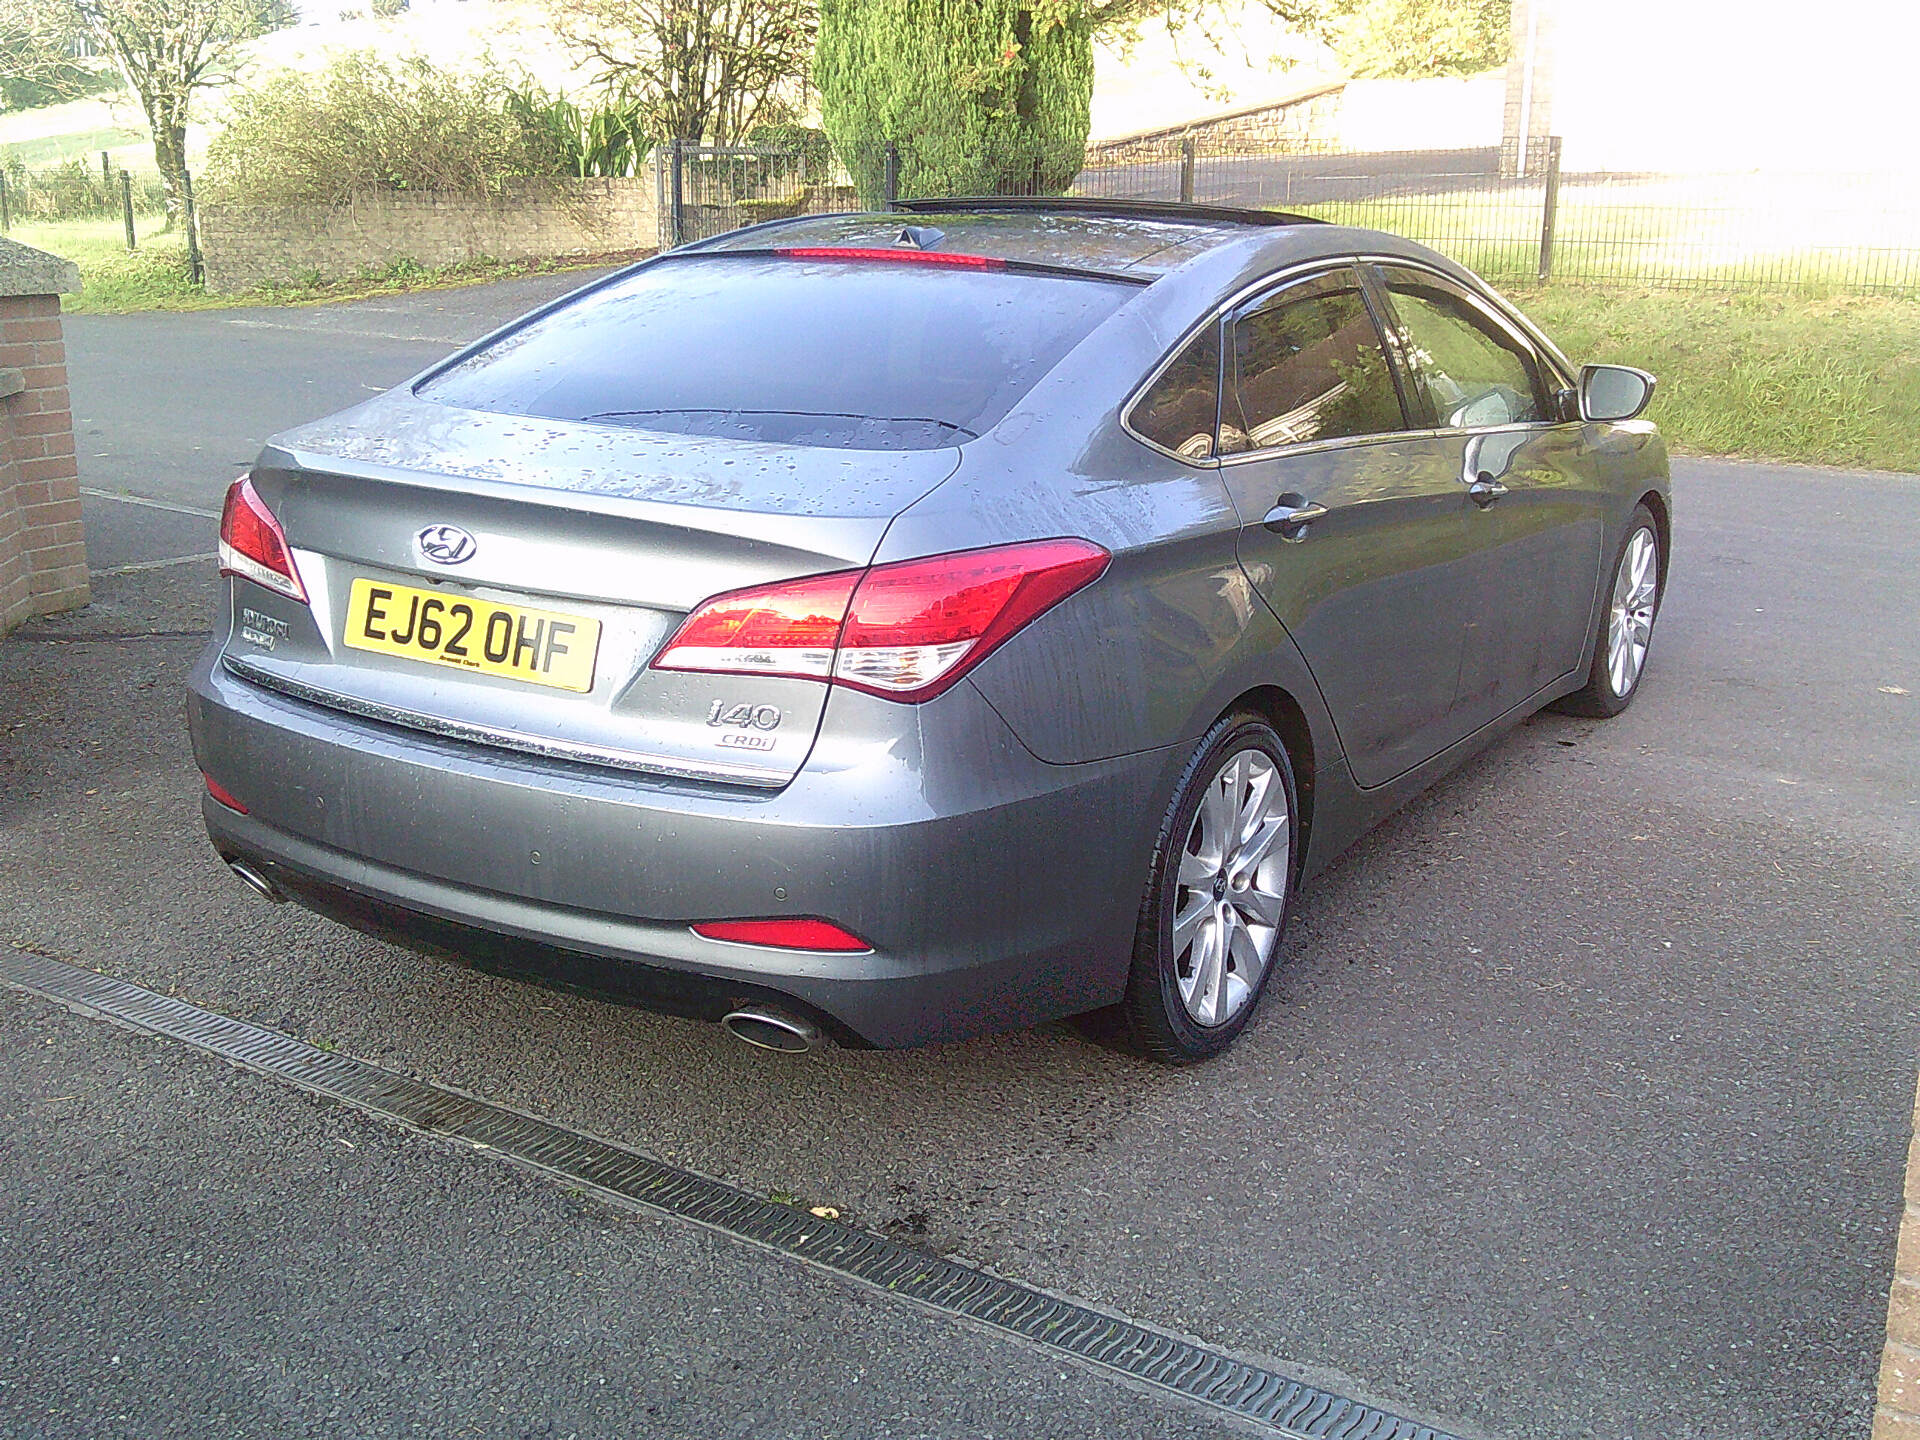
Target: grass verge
(153,276)
(1821,380)
(114,279)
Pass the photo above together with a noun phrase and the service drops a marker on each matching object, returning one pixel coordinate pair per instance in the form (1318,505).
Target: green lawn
(1738,297)
(80,145)
(115,280)
(1725,233)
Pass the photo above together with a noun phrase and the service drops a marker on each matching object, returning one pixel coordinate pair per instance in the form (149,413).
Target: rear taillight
(917,626)
(798,933)
(906,631)
(785,629)
(252,544)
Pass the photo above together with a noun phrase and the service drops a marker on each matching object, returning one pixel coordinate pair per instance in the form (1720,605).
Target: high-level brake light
(252,544)
(906,631)
(948,259)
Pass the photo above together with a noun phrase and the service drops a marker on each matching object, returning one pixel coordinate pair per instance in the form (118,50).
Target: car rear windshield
(859,355)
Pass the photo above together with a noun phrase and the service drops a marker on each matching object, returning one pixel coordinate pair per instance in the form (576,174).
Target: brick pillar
(43,555)
(1898,1415)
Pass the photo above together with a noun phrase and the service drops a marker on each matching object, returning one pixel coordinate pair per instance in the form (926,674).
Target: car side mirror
(1613,392)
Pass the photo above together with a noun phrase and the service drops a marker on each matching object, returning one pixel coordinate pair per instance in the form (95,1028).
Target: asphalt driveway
(1579,1107)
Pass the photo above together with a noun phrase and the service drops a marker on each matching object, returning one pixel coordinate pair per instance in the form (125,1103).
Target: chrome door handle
(1290,521)
(1485,491)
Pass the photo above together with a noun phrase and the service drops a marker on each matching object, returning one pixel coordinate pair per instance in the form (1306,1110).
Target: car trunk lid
(570,553)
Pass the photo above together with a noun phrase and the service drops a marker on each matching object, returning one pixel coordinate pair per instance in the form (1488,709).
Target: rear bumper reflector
(797,933)
(220,793)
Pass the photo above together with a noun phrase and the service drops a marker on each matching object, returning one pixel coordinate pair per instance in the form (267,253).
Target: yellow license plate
(513,641)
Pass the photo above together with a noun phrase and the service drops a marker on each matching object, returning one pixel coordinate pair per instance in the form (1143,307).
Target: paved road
(1579,1107)
(191,1252)
(171,407)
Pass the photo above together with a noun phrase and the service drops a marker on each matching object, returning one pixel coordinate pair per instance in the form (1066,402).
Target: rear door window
(1307,364)
(1179,410)
(1468,370)
(865,355)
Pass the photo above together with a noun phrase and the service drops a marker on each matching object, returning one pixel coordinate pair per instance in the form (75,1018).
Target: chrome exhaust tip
(768,1028)
(256,882)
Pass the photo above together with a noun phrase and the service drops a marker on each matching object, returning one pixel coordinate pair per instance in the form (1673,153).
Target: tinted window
(1307,365)
(1180,408)
(852,355)
(1467,369)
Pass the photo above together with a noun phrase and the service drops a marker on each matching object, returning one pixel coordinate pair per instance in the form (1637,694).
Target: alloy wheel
(1636,589)
(1231,890)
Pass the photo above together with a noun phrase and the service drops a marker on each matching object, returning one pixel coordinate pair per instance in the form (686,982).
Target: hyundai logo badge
(446,544)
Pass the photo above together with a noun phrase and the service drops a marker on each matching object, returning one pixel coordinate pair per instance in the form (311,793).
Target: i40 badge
(744,717)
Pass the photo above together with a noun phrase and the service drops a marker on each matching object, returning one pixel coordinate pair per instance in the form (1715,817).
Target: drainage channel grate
(1292,1407)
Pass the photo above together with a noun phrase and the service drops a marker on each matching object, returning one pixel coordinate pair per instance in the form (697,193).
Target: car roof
(1140,239)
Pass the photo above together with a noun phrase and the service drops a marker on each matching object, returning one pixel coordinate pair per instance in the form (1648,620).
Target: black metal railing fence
(707,190)
(1856,232)
(1517,220)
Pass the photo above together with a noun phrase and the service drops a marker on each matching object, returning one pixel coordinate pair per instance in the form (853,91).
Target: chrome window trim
(545,749)
(1500,312)
(1314,447)
(1309,447)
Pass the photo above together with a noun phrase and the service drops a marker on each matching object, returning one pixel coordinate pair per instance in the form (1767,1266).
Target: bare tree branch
(705,70)
(167,51)
(41,50)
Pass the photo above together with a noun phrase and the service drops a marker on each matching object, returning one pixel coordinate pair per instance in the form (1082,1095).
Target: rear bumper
(997,890)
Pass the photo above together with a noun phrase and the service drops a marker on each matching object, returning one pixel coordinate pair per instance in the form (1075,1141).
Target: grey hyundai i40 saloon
(896,627)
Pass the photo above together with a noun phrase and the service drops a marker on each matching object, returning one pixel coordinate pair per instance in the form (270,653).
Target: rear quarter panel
(1152,652)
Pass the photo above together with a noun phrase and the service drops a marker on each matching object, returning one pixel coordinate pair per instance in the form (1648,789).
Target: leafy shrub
(67,82)
(1420,37)
(563,139)
(984,97)
(368,123)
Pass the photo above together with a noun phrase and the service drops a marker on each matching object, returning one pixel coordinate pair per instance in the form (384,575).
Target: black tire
(1601,697)
(1158,1019)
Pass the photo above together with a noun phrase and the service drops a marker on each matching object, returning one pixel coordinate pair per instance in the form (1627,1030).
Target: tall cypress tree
(983,97)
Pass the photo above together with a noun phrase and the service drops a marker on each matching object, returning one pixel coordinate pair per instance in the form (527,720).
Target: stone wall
(534,219)
(43,555)
(1898,1415)
(1304,121)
